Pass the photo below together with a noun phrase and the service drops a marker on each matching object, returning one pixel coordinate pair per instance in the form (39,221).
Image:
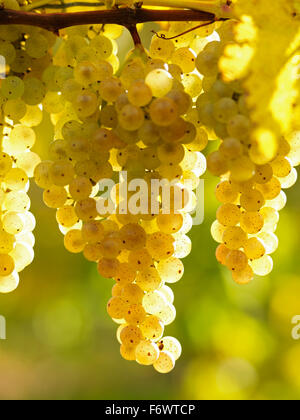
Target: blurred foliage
(237,340)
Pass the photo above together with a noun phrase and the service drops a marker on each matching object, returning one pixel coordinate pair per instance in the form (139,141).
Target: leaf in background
(265,55)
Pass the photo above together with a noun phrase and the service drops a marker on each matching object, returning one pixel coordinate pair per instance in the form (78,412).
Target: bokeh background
(237,341)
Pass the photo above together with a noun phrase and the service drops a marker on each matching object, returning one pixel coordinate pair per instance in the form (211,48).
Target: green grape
(61,173)
(152,328)
(131,335)
(36,46)
(5,164)
(102,46)
(7,265)
(12,87)
(86,103)
(271,189)
(146,353)
(154,301)
(183,246)
(15,109)
(181,99)
(7,242)
(140,259)
(217,164)
(92,252)
(17,201)
(225,109)
(49,79)
(132,294)
(252,200)
(66,216)
(70,90)
(207,60)
(171,153)
(21,139)
(236,260)
(131,118)
(167,314)
(221,254)
(171,345)
(231,148)
(133,237)
(252,222)
(125,274)
(139,94)
(22,61)
(163,112)
(169,223)
(171,270)
(8,51)
(160,245)
(63,74)
(161,48)
(160,82)
(29,221)
(110,89)
(33,116)
(16,179)
(263,174)
(192,84)
(52,103)
(229,214)
(165,362)
(58,150)
(243,277)
(242,169)
(107,267)
(13,223)
(135,314)
(86,209)
(127,352)
(109,116)
(239,127)
(42,174)
(217,231)
(185,58)
(74,242)
(34,91)
(254,248)
(55,196)
(270,241)
(117,308)
(262,266)
(175,132)
(85,73)
(148,279)
(9,283)
(167,293)
(234,237)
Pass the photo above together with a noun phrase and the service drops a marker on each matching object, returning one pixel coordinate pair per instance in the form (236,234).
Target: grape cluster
(139,122)
(26,51)
(251,191)
(150,118)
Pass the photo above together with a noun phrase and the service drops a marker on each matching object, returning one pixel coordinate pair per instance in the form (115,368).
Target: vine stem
(220,8)
(127,17)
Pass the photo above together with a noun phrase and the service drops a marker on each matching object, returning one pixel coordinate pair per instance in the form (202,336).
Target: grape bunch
(251,188)
(26,51)
(138,123)
(139,126)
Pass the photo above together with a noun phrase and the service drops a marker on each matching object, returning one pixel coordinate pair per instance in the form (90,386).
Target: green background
(236,340)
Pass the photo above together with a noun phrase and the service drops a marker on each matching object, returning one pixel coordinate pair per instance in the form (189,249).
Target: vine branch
(127,17)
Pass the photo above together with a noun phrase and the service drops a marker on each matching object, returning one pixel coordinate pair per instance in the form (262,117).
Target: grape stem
(127,17)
